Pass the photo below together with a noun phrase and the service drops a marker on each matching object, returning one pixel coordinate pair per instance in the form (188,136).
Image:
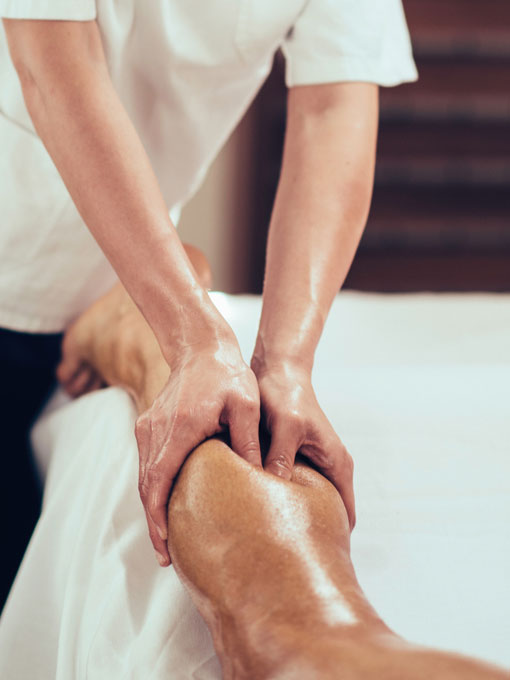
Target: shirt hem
(352,69)
(48,9)
(26,323)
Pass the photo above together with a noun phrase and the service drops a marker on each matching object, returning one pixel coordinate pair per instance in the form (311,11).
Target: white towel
(418,387)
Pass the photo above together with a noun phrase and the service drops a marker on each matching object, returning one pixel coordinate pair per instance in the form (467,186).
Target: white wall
(216,218)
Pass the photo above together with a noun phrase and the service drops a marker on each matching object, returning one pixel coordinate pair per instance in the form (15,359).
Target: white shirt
(186,71)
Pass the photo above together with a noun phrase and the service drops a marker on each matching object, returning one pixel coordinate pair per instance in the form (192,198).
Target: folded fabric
(418,388)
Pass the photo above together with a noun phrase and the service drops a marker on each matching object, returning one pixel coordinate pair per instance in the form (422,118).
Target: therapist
(111,112)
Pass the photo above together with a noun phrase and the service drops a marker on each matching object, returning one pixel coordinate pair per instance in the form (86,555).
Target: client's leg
(268,565)
(266,560)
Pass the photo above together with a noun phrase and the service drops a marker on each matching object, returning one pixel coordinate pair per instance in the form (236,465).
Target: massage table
(418,388)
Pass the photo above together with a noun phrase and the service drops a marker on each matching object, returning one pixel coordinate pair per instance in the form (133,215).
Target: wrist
(294,367)
(285,344)
(154,368)
(197,326)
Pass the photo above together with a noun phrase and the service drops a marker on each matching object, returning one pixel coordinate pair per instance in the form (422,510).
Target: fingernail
(161,532)
(276,470)
(160,559)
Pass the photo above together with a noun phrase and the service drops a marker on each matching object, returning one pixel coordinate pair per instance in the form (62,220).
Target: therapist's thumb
(244,434)
(280,457)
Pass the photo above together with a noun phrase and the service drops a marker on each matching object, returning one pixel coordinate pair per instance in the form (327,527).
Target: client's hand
(296,423)
(208,389)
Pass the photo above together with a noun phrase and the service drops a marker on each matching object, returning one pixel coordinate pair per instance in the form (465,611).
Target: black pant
(27,377)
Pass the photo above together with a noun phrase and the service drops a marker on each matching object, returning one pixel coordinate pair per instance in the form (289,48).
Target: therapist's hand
(296,423)
(209,390)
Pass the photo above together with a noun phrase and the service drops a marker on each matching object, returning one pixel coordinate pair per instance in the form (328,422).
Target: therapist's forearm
(319,214)
(100,157)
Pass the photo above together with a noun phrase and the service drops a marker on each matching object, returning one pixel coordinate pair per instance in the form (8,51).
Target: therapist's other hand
(297,423)
(209,390)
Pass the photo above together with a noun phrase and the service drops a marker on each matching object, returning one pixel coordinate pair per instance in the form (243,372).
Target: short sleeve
(349,40)
(70,10)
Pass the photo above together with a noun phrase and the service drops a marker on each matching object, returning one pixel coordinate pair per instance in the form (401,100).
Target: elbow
(29,65)
(22,49)
(32,89)
(19,53)
(49,56)
(32,93)
(27,79)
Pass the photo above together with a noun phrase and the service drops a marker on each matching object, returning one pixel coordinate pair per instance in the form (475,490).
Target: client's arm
(266,560)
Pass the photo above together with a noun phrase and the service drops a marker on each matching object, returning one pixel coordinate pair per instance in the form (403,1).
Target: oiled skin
(267,561)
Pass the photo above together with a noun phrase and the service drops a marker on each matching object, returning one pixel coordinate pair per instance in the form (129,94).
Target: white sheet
(417,386)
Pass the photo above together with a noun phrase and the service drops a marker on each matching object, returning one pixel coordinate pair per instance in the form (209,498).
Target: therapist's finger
(157,483)
(243,422)
(143,433)
(334,462)
(157,537)
(160,546)
(158,493)
(347,493)
(282,452)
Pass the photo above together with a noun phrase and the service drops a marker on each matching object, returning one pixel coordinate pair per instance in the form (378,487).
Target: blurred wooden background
(440,217)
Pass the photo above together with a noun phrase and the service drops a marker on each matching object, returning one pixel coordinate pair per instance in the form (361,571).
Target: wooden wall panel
(440,218)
